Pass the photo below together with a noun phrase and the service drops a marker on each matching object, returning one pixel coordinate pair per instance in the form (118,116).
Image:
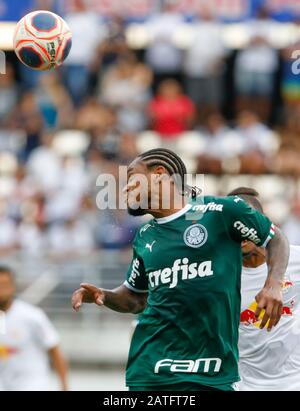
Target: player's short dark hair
(250,195)
(6,270)
(172,163)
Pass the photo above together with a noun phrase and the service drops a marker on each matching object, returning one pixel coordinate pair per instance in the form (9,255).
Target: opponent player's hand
(87,293)
(269,299)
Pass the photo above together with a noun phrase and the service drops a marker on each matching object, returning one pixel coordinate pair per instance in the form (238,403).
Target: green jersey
(190,265)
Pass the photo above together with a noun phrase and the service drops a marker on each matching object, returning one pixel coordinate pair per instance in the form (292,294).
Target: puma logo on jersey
(237,199)
(202,365)
(149,246)
(180,269)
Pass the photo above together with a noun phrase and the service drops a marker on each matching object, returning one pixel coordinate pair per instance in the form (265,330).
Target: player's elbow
(140,304)
(139,309)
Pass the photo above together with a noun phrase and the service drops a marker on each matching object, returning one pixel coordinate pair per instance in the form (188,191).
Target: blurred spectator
(263,25)
(88,30)
(290,81)
(255,134)
(27,117)
(171,112)
(257,141)
(24,187)
(95,118)
(70,239)
(287,159)
(44,165)
(65,200)
(162,55)
(222,143)
(31,233)
(126,88)
(8,93)
(53,102)
(203,65)
(255,68)
(109,50)
(8,232)
(291,227)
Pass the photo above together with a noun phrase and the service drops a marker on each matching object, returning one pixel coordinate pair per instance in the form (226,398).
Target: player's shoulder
(144,231)
(215,203)
(27,310)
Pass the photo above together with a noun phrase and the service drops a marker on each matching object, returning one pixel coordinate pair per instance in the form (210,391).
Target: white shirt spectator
(87,32)
(74,177)
(74,237)
(8,233)
(65,201)
(61,205)
(24,348)
(162,55)
(291,229)
(201,60)
(31,240)
(257,137)
(45,166)
(271,30)
(225,143)
(258,58)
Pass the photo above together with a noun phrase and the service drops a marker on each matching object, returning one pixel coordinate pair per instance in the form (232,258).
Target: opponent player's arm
(121,299)
(59,365)
(270,298)
(246,223)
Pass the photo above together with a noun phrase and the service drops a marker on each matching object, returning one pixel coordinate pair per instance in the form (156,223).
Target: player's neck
(161,213)
(5,306)
(178,202)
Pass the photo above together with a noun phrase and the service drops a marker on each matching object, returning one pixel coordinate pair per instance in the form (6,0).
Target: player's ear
(160,174)
(160,170)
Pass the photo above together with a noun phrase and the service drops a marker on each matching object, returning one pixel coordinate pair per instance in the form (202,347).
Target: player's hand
(269,299)
(87,293)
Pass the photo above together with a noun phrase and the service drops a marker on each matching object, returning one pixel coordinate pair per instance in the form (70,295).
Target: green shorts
(183,387)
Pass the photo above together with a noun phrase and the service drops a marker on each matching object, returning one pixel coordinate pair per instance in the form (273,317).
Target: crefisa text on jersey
(163,400)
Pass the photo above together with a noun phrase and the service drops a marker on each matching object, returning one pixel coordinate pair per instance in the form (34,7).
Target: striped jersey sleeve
(246,223)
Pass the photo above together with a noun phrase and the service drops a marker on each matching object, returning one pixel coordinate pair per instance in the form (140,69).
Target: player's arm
(60,365)
(270,297)
(246,223)
(121,299)
(130,297)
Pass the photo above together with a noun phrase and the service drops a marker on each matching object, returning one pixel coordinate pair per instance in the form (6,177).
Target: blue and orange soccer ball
(42,40)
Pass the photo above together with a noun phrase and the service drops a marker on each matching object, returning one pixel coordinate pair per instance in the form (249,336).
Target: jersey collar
(174,216)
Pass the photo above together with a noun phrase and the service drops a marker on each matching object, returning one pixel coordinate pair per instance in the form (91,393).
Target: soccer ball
(42,40)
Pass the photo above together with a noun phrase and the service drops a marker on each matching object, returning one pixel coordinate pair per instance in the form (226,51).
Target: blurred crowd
(222,110)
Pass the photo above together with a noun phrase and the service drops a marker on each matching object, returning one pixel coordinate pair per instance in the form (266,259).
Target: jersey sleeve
(136,277)
(246,223)
(45,332)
